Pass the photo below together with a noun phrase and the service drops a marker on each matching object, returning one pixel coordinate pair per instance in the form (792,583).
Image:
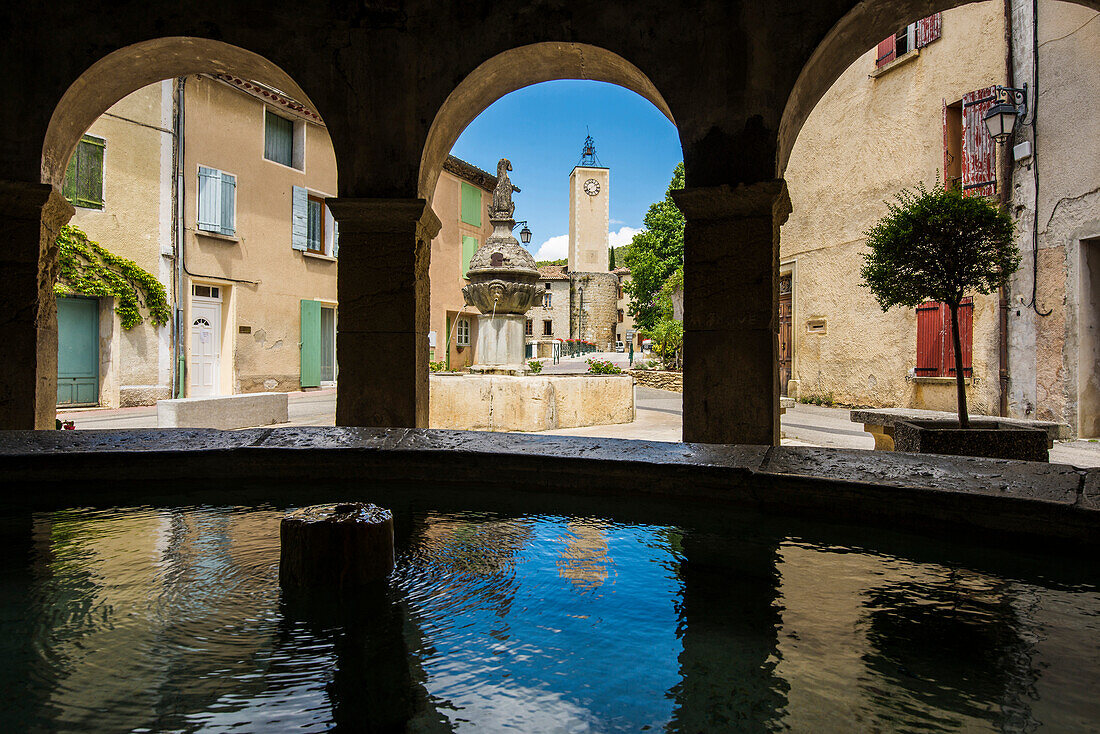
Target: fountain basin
(488,402)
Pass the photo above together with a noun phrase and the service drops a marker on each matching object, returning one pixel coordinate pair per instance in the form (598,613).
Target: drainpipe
(1006,206)
(181,360)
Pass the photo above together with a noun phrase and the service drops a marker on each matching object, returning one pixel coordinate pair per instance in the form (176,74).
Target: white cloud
(623,236)
(554,248)
(557,247)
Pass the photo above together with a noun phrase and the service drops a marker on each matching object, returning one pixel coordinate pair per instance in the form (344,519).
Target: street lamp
(1011,105)
(524,234)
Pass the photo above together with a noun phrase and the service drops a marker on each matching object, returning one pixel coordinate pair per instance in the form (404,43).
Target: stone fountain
(503,286)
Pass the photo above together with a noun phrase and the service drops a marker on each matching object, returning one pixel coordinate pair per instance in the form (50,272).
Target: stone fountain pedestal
(500,345)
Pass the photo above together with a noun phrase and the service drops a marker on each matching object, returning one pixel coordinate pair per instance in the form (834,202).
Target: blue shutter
(228,199)
(299,218)
(210,200)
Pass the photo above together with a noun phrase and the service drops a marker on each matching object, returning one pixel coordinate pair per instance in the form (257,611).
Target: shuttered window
(935,346)
(469,247)
(913,36)
(979,152)
(278,139)
(315,228)
(471,204)
(217,201)
(529,328)
(84,176)
(312,227)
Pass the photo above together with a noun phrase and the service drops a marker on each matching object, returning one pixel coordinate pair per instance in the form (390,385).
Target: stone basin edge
(1051,501)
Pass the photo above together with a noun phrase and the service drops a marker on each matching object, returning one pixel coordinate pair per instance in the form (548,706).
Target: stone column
(731,276)
(28,309)
(382,324)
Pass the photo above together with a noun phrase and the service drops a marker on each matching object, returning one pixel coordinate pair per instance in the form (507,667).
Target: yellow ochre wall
(224,129)
(867,139)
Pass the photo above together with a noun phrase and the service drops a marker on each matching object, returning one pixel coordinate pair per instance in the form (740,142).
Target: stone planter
(987,438)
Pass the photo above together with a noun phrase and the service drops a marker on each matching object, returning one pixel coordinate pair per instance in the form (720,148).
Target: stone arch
(515,69)
(859,30)
(128,69)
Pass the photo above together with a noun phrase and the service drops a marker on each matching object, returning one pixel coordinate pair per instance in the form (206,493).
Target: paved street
(659,417)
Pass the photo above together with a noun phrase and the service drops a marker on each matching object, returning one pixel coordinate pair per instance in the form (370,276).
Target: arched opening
(208,169)
(583,308)
(897,115)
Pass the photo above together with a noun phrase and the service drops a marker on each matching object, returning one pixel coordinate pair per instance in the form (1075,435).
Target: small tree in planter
(939,245)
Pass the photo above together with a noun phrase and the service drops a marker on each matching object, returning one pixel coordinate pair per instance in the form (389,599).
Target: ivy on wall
(89,269)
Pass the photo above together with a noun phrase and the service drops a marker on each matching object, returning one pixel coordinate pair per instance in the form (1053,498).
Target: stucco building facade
(892,121)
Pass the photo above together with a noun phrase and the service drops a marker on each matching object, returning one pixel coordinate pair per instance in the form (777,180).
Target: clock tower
(589,209)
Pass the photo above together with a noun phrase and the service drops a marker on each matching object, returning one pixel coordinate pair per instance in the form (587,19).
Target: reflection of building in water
(879,642)
(584,560)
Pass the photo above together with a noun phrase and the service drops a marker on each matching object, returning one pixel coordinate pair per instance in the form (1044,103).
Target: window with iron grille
(84,177)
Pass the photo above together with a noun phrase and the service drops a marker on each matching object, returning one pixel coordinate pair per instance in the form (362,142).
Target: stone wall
(659,379)
(599,319)
(532,403)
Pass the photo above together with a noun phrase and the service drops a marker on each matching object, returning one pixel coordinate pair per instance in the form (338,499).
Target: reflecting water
(146,619)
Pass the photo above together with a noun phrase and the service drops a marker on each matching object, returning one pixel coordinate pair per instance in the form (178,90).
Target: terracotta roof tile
(554,272)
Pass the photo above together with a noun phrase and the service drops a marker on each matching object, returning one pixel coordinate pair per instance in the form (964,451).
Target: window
(205,291)
(84,176)
(315,229)
(462,336)
(969,151)
(620,315)
(911,37)
(935,346)
(620,291)
(312,228)
(546,297)
(283,140)
(469,247)
(529,328)
(547,285)
(547,327)
(471,205)
(217,201)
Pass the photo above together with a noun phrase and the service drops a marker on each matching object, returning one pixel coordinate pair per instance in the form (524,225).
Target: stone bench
(879,422)
(227,412)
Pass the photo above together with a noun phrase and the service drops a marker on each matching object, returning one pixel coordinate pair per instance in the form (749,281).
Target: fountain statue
(503,286)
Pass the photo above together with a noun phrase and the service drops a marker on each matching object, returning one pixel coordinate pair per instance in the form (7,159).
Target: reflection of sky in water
(583,639)
(172,620)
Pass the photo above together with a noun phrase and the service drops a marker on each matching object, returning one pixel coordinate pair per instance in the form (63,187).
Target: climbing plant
(89,269)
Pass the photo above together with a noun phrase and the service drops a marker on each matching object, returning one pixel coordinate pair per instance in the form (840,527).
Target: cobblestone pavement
(659,417)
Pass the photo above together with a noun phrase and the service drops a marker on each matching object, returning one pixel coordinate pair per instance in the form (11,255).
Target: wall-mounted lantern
(524,234)
(1011,105)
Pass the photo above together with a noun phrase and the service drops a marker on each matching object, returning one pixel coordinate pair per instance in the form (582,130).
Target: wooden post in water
(335,546)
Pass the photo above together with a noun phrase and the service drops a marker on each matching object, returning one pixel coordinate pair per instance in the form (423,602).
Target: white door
(205,348)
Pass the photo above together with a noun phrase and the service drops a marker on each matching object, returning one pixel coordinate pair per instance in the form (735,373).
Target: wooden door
(77,351)
(786,347)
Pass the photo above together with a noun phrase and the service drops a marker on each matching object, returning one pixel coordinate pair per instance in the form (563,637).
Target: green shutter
(471,205)
(469,247)
(84,177)
(310,370)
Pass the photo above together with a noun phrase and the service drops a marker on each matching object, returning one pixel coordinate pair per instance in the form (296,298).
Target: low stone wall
(532,403)
(659,379)
(225,411)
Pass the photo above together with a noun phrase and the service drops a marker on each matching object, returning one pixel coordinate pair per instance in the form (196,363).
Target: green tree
(939,245)
(668,341)
(655,254)
(611,259)
(89,269)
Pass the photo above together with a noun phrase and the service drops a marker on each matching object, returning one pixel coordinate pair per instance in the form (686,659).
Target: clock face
(591,187)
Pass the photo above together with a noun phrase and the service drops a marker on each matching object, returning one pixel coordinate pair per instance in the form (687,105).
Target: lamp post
(1011,105)
(524,234)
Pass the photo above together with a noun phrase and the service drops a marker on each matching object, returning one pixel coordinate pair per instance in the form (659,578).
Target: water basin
(171,619)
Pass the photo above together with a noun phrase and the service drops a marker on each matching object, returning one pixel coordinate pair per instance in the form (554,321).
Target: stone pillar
(28,327)
(382,326)
(731,276)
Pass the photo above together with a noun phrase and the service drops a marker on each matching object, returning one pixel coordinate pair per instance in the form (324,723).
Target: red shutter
(886,52)
(979,159)
(929,339)
(966,337)
(946,148)
(928,29)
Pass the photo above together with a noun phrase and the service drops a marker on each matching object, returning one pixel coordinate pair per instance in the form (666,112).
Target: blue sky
(544,126)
